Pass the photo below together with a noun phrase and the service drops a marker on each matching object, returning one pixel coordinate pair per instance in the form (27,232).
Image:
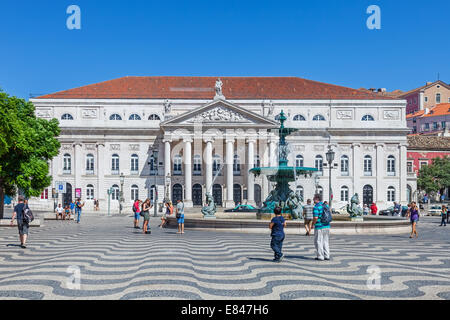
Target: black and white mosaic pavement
(116,261)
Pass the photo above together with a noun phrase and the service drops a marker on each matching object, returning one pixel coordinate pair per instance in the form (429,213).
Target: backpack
(134,208)
(326,216)
(27,215)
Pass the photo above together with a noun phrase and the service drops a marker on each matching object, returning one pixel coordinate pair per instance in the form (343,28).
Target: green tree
(27,144)
(434,177)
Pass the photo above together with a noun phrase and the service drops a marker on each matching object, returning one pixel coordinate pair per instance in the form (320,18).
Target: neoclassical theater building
(181,137)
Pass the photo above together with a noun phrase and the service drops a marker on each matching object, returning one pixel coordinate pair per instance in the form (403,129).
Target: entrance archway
(367,194)
(177,193)
(67,197)
(237,193)
(217,194)
(197,198)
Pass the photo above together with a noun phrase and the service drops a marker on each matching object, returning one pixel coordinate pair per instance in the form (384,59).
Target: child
(67,212)
(277,226)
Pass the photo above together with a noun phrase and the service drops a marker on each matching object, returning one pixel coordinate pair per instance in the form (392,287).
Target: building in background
(427,96)
(209,132)
(430,121)
(422,149)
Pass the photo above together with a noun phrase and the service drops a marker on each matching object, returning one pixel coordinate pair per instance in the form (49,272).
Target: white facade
(195,132)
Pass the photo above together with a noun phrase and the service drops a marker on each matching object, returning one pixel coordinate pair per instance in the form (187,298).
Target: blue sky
(324,40)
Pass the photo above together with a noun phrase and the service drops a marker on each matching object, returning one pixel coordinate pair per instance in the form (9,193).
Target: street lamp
(155,161)
(330,157)
(122,179)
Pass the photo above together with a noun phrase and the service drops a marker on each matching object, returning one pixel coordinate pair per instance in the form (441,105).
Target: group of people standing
(142,209)
(74,208)
(313,220)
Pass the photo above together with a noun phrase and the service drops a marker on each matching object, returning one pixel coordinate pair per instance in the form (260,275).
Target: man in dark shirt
(277,226)
(21,224)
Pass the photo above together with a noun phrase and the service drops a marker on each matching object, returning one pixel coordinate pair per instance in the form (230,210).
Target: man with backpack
(22,221)
(321,222)
(78,206)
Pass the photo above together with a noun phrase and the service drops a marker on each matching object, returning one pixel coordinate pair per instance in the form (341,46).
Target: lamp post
(155,161)
(109,191)
(167,186)
(122,179)
(330,158)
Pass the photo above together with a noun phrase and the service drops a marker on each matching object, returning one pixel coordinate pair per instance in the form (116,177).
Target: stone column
(272,157)
(380,174)
(78,166)
(401,168)
(188,172)
(101,192)
(250,176)
(208,165)
(229,203)
(167,165)
(357,172)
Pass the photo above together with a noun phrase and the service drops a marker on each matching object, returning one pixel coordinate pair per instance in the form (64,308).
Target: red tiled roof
(289,88)
(441,109)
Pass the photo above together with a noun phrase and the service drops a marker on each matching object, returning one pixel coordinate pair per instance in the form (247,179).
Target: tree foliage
(434,177)
(27,144)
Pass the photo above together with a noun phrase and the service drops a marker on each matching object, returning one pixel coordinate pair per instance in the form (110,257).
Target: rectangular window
(423,163)
(443,124)
(427,126)
(44,195)
(409,167)
(435,126)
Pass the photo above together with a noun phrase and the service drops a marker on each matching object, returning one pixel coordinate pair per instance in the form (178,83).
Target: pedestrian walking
(180,216)
(72,207)
(78,207)
(308,209)
(137,211)
(277,225)
(444,214)
(413,214)
(321,230)
(146,206)
(22,224)
(59,211)
(166,215)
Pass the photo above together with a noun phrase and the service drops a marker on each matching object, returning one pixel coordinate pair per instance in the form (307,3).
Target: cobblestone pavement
(116,261)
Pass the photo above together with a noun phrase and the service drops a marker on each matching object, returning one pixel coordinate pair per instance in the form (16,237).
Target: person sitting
(66,213)
(59,212)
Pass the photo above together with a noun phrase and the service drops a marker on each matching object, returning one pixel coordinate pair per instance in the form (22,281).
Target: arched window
(318,117)
(217,160)
(154,117)
(367,117)
(299,191)
(256,161)
(319,164)
(89,164)
(344,193)
(391,194)
(134,192)
(391,166)
(236,165)
(197,165)
(115,192)
(115,117)
(115,164)
(177,163)
(367,165)
(344,165)
(66,116)
(67,164)
(134,164)
(299,117)
(134,117)
(89,192)
(299,161)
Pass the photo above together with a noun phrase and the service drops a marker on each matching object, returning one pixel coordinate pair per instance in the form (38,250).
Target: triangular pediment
(220,112)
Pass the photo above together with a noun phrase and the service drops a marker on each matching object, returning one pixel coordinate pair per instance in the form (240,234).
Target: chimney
(421,100)
(428,83)
(427,110)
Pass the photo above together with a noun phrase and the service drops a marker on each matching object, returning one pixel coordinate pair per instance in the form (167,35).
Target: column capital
(251,140)
(100,144)
(382,145)
(77,144)
(403,145)
(356,145)
(167,140)
(188,139)
(208,139)
(229,139)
